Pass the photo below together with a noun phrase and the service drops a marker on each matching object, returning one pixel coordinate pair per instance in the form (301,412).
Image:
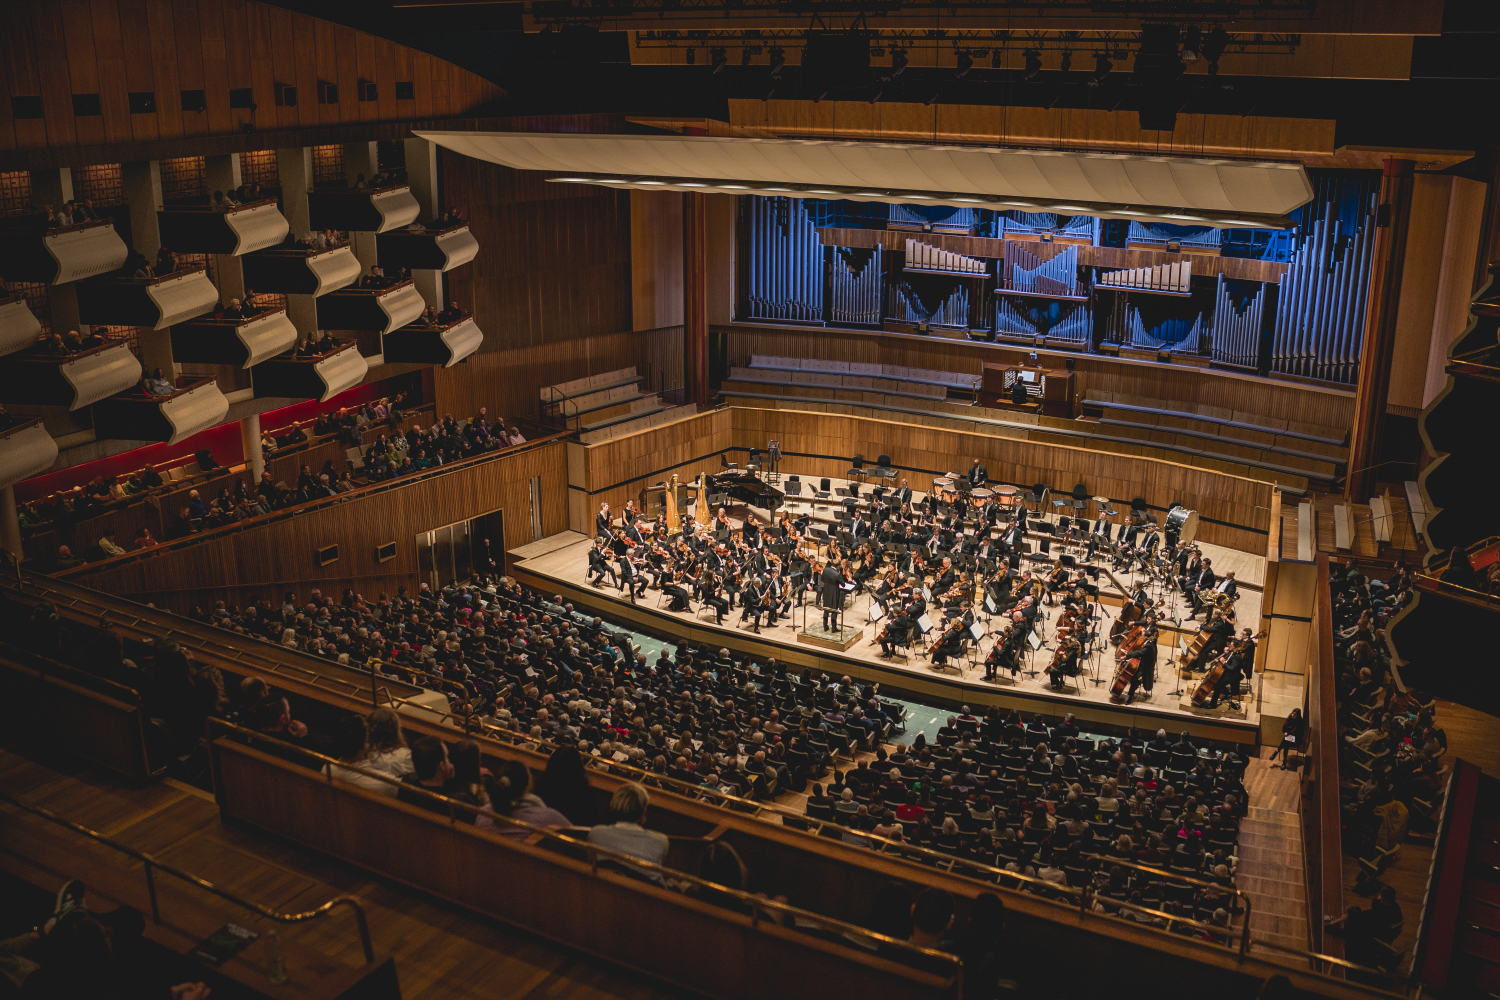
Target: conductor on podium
(831,595)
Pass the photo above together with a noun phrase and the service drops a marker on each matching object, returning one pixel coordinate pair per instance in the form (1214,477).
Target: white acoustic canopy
(1187,191)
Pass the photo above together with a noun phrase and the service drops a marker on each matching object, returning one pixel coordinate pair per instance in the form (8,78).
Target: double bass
(1129,614)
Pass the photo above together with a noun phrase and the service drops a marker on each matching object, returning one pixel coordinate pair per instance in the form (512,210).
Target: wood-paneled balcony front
(363,210)
(26,449)
(255,225)
(320,376)
(156,303)
(427,249)
(19,329)
(244,341)
(300,270)
(378,309)
(36,377)
(30,251)
(196,406)
(444,345)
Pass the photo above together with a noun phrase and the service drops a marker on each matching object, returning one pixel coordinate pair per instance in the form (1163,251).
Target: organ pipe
(1320,324)
(1235,331)
(1024,271)
(786,276)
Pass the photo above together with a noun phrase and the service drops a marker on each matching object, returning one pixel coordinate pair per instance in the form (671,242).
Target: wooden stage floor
(559,564)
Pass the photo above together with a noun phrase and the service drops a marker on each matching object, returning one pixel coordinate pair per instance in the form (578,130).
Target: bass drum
(1184,522)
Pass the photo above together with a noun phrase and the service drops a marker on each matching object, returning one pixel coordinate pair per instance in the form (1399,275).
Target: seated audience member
(388,751)
(351,746)
(513,435)
(157,384)
(628,834)
(166,262)
(233,310)
(144,538)
(66,559)
(511,795)
(453,312)
(107,544)
(431,771)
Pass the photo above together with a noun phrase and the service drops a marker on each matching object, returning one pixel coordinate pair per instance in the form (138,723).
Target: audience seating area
(637,420)
(1392,769)
(922,383)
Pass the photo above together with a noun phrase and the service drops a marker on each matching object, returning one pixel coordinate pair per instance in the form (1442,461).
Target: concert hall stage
(558,565)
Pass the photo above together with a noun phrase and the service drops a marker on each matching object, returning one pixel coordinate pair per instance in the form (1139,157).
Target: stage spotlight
(745,56)
(692,56)
(778,60)
(932,97)
(1213,48)
(1192,44)
(1067,60)
(1033,64)
(965,63)
(1102,68)
(898,62)
(718,58)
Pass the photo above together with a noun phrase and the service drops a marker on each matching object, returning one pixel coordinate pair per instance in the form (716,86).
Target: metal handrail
(455,807)
(152,864)
(1342,963)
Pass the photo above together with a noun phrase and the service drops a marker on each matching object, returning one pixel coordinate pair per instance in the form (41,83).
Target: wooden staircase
(1271,868)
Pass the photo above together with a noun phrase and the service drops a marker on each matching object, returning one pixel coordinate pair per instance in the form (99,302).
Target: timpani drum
(943,487)
(980,496)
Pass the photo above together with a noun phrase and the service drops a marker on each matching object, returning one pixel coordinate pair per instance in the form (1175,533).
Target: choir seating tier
(292,271)
(366,210)
(427,249)
(31,252)
(74,381)
(254,226)
(135,416)
(321,377)
(26,450)
(433,345)
(243,342)
(378,309)
(19,329)
(155,303)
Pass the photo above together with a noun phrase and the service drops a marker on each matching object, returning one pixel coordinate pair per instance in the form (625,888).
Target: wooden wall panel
(1419,289)
(57,48)
(1198,386)
(1233,511)
(266,561)
(656,259)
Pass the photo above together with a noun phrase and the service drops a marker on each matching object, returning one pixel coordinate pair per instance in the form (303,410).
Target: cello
(1130,648)
(1215,673)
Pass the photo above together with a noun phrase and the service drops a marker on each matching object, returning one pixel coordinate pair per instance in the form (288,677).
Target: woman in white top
(350,745)
(1107,800)
(388,751)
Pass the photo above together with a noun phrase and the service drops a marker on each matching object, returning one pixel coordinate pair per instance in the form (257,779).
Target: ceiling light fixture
(1033,64)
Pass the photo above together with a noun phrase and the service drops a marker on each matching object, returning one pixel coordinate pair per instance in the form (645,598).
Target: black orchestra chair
(857,469)
(825,489)
(726,463)
(794,486)
(883,468)
(1080,498)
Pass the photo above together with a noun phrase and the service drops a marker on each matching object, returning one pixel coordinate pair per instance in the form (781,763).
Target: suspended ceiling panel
(1075,182)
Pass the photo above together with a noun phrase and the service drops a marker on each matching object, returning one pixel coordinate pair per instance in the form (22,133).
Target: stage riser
(943,692)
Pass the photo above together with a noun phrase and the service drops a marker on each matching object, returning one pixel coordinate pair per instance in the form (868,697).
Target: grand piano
(744,487)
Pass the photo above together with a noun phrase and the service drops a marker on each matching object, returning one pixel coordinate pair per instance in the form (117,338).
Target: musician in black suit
(829,590)
(1200,586)
(753,600)
(1145,675)
(630,581)
(903,492)
(599,564)
(978,474)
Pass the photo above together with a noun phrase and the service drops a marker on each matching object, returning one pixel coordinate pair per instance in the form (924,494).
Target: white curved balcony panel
(459,245)
(396,206)
(83,253)
(195,411)
(334,270)
(19,329)
(463,339)
(24,453)
(182,298)
(266,337)
(341,371)
(100,375)
(401,306)
(257,227)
